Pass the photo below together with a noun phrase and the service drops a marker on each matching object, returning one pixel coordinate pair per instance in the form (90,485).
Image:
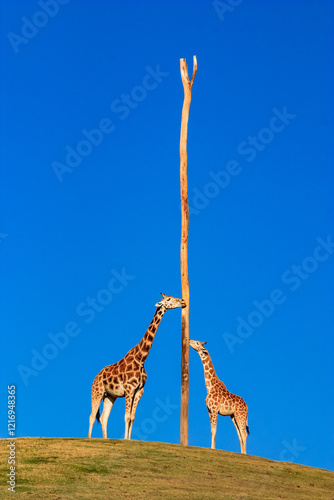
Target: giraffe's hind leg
(97,395)
(92,417)
(239,422)
(108,402)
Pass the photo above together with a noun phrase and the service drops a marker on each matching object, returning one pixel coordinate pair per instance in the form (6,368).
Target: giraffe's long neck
(144,346)
(210,376)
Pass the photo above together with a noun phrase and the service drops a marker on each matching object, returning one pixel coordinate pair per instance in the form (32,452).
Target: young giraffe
(220,400)
(127,377)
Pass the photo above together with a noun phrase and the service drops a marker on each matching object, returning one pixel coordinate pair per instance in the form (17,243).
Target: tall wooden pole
(187,86)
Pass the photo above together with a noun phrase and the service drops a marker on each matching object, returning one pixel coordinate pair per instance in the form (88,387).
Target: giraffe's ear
(203,343)
(163,295)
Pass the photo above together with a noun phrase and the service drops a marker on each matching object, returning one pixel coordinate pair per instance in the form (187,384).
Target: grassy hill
(96,469)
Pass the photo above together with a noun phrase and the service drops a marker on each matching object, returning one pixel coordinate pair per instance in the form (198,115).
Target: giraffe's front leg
(137,397)
(213,420)
(129,399)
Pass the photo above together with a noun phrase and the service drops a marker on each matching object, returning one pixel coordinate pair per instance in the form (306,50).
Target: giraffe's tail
(98,415)
(247,428)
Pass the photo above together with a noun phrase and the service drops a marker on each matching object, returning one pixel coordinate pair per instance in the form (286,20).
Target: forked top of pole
(184,71)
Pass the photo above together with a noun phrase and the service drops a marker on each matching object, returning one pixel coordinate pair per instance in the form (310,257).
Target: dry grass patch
(97,469)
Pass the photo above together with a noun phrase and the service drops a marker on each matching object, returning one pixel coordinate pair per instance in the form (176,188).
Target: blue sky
(91,100)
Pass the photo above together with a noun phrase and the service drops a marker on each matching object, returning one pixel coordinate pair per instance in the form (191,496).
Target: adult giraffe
(127,377)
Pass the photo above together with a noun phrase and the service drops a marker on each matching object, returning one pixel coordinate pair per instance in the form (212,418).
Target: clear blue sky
(80,207)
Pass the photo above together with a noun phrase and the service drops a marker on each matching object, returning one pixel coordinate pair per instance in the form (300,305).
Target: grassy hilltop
(96,469)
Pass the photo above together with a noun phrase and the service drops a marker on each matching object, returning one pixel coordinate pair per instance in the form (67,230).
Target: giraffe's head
(169,302)
(198,346)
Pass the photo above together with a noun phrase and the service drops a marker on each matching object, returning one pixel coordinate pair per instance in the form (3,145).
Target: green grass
(97,469)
